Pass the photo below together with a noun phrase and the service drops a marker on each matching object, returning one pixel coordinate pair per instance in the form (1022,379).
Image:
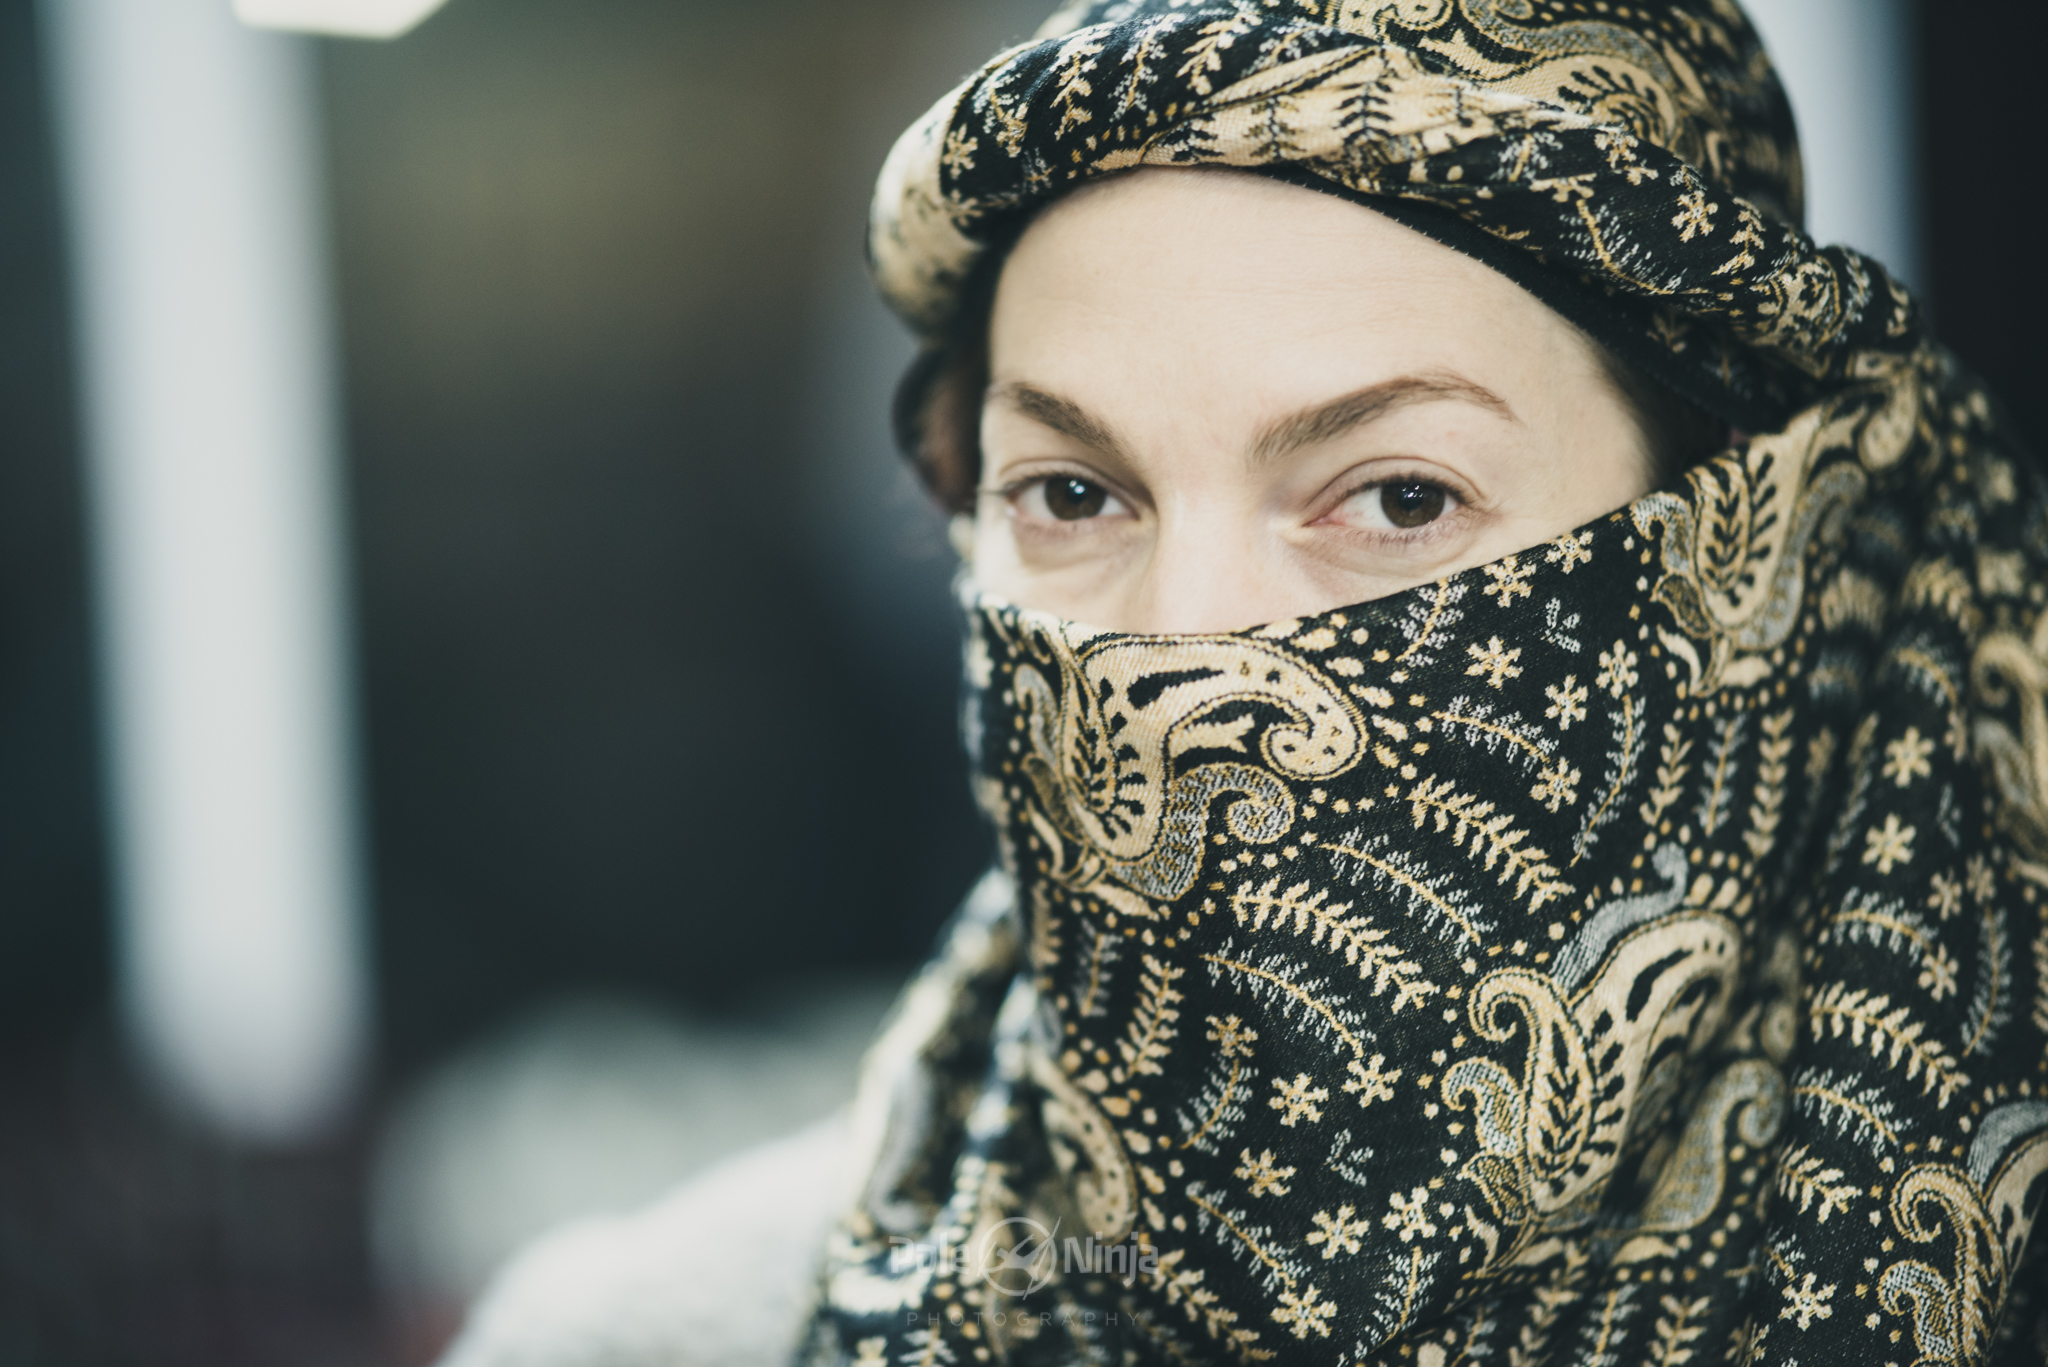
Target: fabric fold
(1629,951)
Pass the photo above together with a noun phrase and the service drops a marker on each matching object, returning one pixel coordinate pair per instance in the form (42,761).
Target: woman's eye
(1068,498)
(1412,504)
(1402,504)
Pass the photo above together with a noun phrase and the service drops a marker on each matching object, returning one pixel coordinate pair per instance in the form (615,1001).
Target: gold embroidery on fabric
(1644,964)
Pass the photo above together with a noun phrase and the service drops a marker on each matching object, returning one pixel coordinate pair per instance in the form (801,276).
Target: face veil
(1629,951)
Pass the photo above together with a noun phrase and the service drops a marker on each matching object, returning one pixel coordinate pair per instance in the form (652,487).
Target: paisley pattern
(1631,951)
(1645,151)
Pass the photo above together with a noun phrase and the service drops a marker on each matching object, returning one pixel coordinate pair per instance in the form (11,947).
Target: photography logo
(1017,1256)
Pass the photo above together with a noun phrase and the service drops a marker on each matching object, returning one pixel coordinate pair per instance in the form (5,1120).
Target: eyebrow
(1368,404)
(1306,428)
(1063,416)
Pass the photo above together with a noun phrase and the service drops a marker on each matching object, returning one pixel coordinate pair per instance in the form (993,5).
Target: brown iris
(1412,504)
(1071,500)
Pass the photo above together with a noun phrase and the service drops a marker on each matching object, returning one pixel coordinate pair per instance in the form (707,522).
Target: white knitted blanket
(719,1273)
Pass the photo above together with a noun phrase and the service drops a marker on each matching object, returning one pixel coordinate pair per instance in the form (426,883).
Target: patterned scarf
(1632,951)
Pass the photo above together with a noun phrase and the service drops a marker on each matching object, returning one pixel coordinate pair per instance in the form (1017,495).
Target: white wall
(1847,66)
(193,175)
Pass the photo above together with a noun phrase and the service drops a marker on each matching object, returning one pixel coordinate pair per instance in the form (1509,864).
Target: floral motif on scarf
(1631,951)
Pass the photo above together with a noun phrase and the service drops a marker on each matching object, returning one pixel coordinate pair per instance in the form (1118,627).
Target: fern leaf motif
(1867,1115)
(1870,920)
(1562,1292)
(1077,62)
(1436,900)
(2041,980)
(1891,1034)
(1101,955)
(1767,806)
(1422,626)
(1721,763)
(1621,772)
(1675,1328)
(1849,820)
(1278,981)
(1363,946)
(1205,54)
(1484,834)
(1671,771)
(1805,1177)
(1990,1003)
(1149,1037)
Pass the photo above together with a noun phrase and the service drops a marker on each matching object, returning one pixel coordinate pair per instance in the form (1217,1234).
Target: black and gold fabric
(1634,951)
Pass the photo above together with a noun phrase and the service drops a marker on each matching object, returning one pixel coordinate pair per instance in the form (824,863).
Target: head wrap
(1631,951)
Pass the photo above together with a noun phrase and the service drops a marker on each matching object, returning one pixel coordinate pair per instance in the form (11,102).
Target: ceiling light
(344,18)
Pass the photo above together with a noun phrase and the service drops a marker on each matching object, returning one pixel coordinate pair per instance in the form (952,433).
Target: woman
(1536,854)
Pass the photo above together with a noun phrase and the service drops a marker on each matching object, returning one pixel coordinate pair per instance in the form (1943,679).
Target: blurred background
(642,710)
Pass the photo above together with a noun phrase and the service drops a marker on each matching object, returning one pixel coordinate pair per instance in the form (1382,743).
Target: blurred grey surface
(720,1273)
(658,650)
(596,1106)
(653,628)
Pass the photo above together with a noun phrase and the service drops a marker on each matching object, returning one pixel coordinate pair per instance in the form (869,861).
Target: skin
(1237,390)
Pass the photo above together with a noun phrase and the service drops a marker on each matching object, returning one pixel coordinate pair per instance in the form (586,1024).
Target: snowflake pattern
(1408,1216)
(1339,1233)
(1299,1099)
(1571,550)
(1693,795)
(1890,845)
(1567,702)
(1494,661)
(1938,973)
(1508,580)
(1264,1178)
(1617,670)
(1558,788)
(1806,1303)
(1695,215)
(1983,883)
(1305,1314)
(1232,1037)
(1371,1081)
(1905,759)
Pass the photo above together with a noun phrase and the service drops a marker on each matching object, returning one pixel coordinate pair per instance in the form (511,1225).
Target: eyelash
(1458,500)
(1010,491)
(1455,497)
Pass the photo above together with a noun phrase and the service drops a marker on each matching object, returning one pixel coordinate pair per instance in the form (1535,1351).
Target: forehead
(1241,286)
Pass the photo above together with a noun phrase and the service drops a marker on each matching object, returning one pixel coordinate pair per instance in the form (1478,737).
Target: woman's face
(1217,400)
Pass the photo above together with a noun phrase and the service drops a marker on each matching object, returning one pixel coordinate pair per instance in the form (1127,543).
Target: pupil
(1411,505)
(1070,499)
